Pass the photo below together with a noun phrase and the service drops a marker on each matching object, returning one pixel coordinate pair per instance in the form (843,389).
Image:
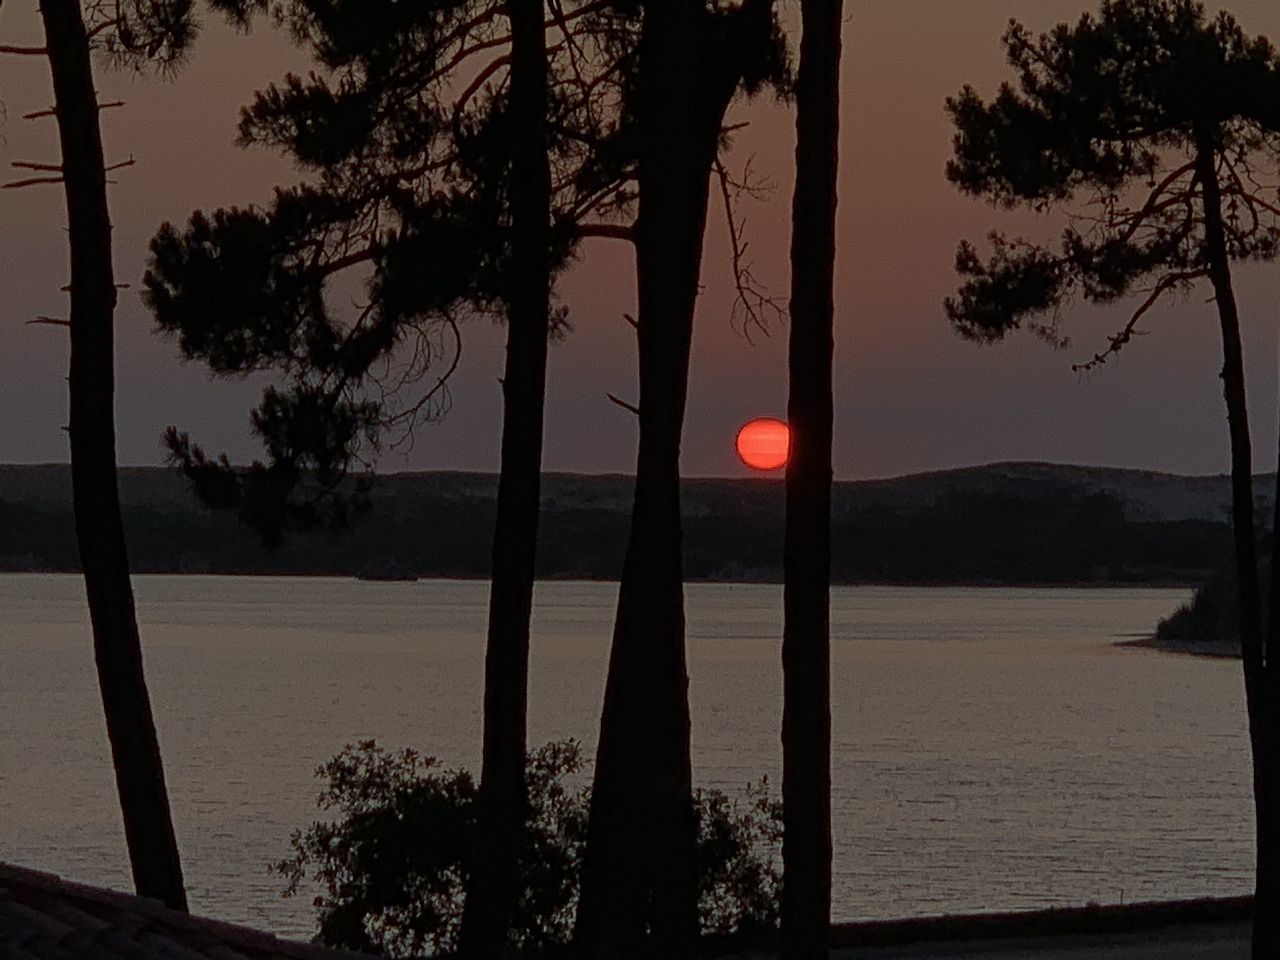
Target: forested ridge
(997,524)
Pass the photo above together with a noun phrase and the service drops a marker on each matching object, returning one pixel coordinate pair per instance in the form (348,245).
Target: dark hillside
(1004,523)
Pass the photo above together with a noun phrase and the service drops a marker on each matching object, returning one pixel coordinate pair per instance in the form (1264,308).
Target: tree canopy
(1106,122)
(1156,128)
(403,133)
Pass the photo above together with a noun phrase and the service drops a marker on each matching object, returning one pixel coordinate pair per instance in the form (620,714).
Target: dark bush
(1210,620)
(392,867)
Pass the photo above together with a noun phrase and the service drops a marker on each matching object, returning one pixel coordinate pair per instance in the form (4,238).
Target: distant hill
(1006,523)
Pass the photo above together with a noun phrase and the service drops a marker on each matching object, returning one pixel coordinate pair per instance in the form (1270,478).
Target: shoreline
(1048,922)
(1183,648)
(1160,925)
(465,578)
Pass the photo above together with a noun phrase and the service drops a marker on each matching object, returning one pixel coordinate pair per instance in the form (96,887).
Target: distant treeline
(1005,524)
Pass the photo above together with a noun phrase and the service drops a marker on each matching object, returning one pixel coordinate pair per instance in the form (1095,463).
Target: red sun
(763,444)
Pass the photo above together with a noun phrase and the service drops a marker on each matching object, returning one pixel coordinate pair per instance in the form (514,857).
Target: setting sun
(763,444)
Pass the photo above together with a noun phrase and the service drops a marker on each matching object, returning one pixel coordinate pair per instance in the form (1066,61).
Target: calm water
(992,748)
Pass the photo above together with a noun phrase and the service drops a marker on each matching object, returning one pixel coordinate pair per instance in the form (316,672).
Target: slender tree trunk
(1266,934)
(494,883)
(639,888)
(1266,924)
(135,751)
(806,643)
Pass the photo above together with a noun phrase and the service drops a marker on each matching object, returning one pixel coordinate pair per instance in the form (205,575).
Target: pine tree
(410,165)
(434,134)
(137,35)
(1152,126)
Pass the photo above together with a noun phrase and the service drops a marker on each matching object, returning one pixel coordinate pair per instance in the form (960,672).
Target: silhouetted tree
(405,132)
(392,863)
(638,891)
(1163,124)
(435,134)
(806,645)
(131,33)
(493,886)
(408,134)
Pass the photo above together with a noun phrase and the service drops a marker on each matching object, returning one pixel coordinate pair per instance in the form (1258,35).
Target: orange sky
(910,395)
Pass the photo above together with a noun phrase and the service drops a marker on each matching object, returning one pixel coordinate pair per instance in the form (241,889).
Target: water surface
(993,749)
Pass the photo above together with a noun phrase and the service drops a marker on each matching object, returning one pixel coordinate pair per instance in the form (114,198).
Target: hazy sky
(910,395)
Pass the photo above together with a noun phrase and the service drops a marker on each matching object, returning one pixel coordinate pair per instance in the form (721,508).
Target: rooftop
(43,917)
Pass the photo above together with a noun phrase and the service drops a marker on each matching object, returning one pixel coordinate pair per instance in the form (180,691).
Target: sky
(910,395)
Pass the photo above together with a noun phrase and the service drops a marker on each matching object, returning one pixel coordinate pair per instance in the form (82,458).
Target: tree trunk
(806,644)
(1266,932)
(135,751)
(1266,923)
(639,887)
(493,888)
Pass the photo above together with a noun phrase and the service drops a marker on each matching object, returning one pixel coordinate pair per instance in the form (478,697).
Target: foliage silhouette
(407,133)
(1156,128)
(393,865)
(458,158)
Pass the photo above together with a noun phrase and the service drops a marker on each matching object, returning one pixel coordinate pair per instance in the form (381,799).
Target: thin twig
(623,404)
(752,298)
(1127,333)
(34,181)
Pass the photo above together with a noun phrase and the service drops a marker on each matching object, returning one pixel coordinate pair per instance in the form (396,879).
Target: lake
(992,748)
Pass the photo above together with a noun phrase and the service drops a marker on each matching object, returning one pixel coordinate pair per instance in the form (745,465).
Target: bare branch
(481,78)
(53,112)
(409,417)
(34,181)
(752,299)
(608,231)
(101,28)
(26,51)
(623,404)
(1129,331)
(48,322)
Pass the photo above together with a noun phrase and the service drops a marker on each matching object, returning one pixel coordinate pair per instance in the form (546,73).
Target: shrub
(392,866)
